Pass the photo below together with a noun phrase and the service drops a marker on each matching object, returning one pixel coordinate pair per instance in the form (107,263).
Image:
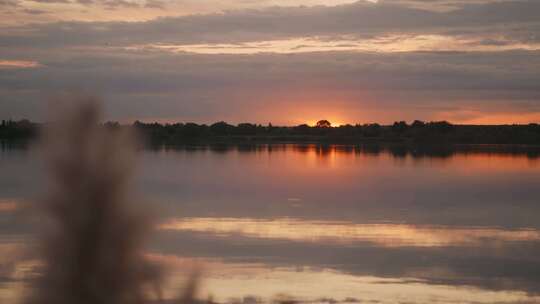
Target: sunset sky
(280,61)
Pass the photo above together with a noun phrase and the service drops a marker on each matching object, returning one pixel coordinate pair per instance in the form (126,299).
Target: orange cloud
(478,117)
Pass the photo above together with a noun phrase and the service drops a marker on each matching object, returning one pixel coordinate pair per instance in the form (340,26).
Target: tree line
(415,132)
(18,130)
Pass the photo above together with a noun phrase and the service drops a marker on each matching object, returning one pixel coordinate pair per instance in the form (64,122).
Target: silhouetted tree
(399,127)
(302,129)
(323,124)
(418,124)
(371,130)
(441,126)
(221,128)
(246,129)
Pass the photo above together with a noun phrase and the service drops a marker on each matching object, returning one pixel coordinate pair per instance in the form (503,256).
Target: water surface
(322,223)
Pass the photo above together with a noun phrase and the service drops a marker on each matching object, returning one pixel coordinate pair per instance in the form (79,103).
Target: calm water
(322,224)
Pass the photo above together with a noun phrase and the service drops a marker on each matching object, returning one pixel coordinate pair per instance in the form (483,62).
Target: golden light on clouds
(139,10)
(386,44)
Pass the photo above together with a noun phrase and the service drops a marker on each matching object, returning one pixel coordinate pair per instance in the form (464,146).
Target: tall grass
(92,247)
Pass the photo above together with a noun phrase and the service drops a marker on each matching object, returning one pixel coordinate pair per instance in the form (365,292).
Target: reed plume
(92,248)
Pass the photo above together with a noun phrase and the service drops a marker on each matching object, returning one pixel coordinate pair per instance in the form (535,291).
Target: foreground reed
(92,247)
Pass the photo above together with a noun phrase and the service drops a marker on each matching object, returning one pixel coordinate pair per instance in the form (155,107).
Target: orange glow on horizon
(478,117)
(505,119)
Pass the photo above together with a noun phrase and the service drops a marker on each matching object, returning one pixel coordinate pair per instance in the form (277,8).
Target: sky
(281,61)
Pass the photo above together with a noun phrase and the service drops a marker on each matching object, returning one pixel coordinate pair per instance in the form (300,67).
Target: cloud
(360,20)
(114,4)
(214,87)
(35,11)
(154,4)
(9,3)
(51,1)
(389,59)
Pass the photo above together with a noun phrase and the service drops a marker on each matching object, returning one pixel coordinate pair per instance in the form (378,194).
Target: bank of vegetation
(440,132)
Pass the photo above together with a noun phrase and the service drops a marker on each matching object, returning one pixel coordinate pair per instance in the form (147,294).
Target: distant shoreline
(417,133)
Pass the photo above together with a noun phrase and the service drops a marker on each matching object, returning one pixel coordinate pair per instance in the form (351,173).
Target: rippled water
(323,223)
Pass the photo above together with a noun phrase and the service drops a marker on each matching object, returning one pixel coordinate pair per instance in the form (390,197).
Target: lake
(320,224)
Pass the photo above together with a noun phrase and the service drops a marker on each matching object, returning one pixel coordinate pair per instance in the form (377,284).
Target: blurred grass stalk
(93,245)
